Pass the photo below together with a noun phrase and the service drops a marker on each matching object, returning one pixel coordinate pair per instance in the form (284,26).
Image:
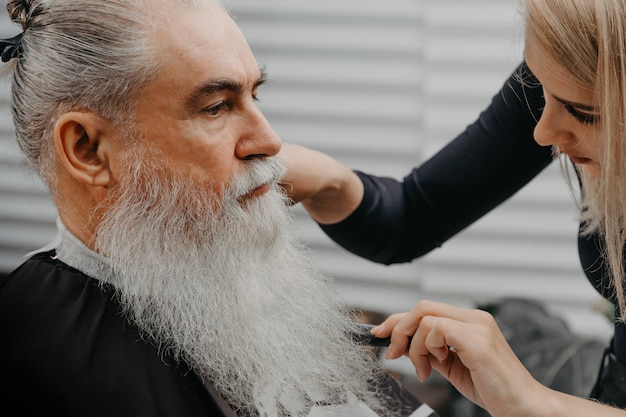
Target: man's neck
(73,252)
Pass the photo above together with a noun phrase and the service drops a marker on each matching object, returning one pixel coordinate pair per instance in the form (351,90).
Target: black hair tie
(10,48)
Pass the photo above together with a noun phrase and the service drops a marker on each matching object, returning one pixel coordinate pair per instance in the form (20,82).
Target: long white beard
(227,288)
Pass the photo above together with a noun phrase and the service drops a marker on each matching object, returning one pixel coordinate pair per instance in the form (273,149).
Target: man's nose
(259,140)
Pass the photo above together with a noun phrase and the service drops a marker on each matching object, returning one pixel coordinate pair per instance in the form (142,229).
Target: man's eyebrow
(214,86)
(575,105)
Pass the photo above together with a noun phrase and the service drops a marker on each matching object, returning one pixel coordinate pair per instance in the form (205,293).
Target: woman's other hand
(467,348)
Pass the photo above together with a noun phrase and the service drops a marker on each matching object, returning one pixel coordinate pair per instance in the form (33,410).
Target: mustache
(258,172)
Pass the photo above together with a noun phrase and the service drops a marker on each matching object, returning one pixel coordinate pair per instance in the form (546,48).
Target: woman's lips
(579,159)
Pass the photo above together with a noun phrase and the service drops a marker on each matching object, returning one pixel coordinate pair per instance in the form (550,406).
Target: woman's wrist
(337,199)
(551,403)
(329,190)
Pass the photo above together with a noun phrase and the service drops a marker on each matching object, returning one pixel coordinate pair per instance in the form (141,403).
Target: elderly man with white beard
(176,285)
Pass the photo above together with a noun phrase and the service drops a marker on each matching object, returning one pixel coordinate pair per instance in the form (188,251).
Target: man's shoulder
(44,299)
(55,317)
(45,282)
(65,336)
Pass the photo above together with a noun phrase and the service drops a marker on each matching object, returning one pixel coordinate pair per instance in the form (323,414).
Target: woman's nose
(553,128)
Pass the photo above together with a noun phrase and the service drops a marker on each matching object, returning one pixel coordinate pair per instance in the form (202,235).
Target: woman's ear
(84,142)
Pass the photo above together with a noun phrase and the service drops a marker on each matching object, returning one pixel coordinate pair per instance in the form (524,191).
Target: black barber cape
(67,350)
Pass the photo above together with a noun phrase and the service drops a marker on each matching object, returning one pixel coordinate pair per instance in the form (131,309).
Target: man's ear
(84,143)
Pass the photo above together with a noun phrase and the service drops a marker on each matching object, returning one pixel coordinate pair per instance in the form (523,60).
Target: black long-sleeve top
(398,221)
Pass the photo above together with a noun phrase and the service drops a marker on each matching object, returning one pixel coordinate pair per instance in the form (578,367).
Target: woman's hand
(327,189)
(468,349)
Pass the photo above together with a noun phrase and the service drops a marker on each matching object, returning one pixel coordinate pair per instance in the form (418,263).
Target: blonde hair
(587,38)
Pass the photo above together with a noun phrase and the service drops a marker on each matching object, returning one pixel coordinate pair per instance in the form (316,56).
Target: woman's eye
(216,109)
(584,118)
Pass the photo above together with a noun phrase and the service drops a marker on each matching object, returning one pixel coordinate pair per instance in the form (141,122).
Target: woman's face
(569,121)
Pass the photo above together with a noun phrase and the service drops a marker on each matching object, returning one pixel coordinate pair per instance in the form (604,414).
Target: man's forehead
(197,31)
(203,44)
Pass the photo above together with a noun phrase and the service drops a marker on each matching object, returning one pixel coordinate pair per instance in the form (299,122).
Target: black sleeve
(485,165)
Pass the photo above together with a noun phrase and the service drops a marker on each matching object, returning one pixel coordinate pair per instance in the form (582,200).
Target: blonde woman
(570,95)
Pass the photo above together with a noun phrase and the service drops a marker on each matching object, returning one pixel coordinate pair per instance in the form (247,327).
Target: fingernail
(420,376)
(388,354)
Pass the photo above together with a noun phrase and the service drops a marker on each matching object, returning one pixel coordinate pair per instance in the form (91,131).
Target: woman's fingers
(402,327)
(430,347)
(467,348)
(386,327)
(435,341)
(429,331)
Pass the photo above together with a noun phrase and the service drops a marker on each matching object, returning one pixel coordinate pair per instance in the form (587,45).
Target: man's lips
(260,190)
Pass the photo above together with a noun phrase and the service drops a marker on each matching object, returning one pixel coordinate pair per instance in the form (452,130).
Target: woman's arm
(328,190)
(390,221)
(468,349)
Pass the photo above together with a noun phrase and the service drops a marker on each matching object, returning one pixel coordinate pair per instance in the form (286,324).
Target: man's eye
(216,109)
